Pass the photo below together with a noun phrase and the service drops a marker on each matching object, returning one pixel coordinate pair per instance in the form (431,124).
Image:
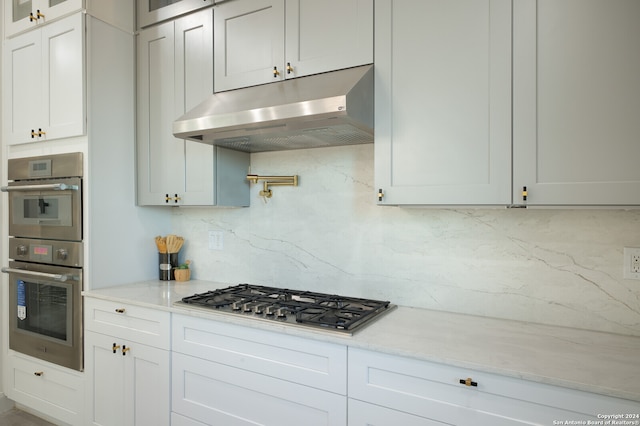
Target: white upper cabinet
(44,83)
(576,123)
(264,41)
(443,102)
(459,121)
(21,15)
(153,11)
(175,73)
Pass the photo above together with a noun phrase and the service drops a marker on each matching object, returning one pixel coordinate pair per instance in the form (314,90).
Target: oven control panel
(63,253)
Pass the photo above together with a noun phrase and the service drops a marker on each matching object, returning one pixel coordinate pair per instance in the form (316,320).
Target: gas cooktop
(296,307)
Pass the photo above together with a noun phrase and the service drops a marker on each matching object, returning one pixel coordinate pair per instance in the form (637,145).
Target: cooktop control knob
(271,310)
(258,309)
(281,312)
(247,307)
(236,306)
(21,250)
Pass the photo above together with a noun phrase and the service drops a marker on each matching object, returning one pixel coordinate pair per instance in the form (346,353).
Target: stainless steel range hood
(329,109)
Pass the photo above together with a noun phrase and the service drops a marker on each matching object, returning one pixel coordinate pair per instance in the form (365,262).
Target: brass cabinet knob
(38,373)
(120,310)
(276,73)
(125,349)
(289,68)
(115,348)
(39,15)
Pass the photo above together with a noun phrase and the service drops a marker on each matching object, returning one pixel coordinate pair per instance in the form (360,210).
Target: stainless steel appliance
(45,197)
(294,307)
(334,108)
(46,252)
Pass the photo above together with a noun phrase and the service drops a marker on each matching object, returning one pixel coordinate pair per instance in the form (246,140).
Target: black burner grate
(301,307)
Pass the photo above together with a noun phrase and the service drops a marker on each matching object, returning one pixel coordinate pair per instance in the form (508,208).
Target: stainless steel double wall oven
(46,257)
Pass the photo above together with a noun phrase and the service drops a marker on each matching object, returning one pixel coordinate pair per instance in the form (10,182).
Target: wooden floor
(15,417)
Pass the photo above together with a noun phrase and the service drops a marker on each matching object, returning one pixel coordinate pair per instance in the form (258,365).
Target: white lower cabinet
(128,379)
(55,391)
(232,375)
(178,420)
(365,414)
(407,388)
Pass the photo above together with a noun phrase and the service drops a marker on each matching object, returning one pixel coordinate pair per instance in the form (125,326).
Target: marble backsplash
(561,267)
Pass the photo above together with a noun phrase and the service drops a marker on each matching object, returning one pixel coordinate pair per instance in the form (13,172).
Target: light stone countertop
(602,363)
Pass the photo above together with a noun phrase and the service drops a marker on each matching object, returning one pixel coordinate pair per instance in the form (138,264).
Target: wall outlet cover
(631,264)
(216,240)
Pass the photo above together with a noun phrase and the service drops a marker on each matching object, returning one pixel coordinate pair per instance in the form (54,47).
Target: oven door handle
(46,187)
(55,277)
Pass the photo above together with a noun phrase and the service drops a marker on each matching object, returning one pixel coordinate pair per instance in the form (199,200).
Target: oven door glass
(43,210)
(44,310)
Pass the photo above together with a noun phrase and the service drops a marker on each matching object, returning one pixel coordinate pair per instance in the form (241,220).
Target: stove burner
(339,313)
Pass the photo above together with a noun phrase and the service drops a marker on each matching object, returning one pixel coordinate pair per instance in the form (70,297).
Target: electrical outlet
(631,263)
(215,240)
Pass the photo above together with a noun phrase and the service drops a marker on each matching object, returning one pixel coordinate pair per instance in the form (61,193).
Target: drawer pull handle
(120,310)
(125,349)
(39,373)
(115,348)
(468,382)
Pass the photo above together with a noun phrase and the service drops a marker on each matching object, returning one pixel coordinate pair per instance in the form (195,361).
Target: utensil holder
(167,262)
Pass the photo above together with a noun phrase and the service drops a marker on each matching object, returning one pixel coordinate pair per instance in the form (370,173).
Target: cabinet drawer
(311,363)
(179,420)
(143,325)
(434,391)
(217,394)
(364,414)
(56,392)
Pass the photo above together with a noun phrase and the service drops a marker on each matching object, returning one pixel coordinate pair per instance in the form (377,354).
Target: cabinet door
(152,11)
(443,102)
(328,35)
(18,13)
(44,83)
(22,87)
(63,112)
(160,155)
(576,108)
(194,83)
(127,389)
(248,43)
(105,371)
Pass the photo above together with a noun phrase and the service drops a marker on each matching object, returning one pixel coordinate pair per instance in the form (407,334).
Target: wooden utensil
(161,243)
